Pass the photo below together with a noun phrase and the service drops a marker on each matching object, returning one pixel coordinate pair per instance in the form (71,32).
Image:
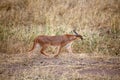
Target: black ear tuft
(75,32)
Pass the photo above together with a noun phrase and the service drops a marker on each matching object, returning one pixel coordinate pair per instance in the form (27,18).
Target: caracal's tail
(34,44)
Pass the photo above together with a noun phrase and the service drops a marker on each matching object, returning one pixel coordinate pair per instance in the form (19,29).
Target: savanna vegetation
(94,58)
(97,20)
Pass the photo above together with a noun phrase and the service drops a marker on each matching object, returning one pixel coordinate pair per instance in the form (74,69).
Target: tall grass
(97,20)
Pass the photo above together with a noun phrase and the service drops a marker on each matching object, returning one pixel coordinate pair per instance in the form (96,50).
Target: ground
(65,67)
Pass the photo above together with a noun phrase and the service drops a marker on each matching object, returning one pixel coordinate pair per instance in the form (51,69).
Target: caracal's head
(78,35)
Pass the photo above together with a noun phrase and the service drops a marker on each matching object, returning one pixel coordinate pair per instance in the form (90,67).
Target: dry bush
(97,20)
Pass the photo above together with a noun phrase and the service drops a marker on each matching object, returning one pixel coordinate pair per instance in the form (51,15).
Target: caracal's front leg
(42,50)
(58,51)
(68,46)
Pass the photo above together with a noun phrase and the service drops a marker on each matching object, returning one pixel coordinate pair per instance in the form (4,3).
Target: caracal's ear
(74,31)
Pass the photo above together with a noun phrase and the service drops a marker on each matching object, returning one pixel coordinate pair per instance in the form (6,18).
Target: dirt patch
(66,66)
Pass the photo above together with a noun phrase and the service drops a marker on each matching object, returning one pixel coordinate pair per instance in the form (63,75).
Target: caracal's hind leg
(42,50)
(68,46)
(58,51)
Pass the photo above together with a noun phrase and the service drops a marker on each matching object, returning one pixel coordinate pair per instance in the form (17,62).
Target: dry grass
(97,20)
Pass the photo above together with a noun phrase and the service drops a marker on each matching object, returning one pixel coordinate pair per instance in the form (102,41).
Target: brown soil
(21,67)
